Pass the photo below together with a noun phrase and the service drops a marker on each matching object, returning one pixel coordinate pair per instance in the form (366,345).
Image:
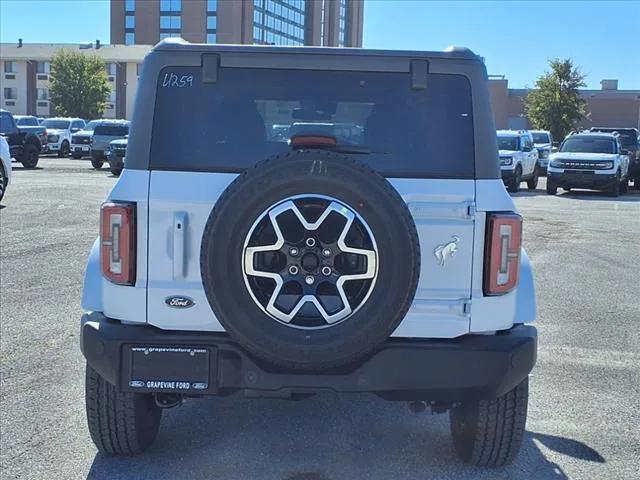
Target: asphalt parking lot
(585,390)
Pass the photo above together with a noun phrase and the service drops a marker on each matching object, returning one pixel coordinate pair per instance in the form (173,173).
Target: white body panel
(619,162)
(5,158)
(526,160)
(449,301)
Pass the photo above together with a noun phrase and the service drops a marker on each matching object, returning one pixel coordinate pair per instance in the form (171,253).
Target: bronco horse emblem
(445,250)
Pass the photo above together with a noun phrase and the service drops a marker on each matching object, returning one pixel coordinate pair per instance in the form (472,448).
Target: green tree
(79,85)
(555,103)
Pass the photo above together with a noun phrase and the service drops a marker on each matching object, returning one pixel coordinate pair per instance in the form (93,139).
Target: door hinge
(471,210)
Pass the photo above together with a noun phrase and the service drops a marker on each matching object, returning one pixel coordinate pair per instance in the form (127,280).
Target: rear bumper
(578,179)
(473,366)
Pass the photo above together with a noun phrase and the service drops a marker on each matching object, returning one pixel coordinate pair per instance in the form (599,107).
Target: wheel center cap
(310,262)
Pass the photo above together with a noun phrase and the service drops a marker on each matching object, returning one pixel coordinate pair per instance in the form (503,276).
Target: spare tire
(310,260)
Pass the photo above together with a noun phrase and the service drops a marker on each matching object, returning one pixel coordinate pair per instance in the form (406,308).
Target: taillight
(502,253)
(118,242)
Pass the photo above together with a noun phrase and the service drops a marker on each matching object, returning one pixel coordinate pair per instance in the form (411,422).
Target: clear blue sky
(516,38)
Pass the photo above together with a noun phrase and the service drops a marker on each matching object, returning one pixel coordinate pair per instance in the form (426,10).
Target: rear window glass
(111,130)
(540,138)
(250,114)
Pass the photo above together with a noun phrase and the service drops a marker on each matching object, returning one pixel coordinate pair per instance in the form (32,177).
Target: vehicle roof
(512,133)
(539,131)
(24,116)
(64,118)
(594,134)
(613,129)
(179,44)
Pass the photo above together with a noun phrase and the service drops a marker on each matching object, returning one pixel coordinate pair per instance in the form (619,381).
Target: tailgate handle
(179,228)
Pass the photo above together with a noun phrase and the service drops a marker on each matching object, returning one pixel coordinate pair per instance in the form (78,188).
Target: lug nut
(326,271)
(326,252)
(293,269)
(310,242)
(309,279)
(294,252)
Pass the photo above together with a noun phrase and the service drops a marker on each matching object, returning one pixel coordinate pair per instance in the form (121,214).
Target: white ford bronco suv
(518,159)
(322,220)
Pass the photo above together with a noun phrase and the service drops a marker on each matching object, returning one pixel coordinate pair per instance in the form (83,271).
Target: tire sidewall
(303,348)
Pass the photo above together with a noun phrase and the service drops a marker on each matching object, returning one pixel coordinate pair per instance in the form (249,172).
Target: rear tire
(614,190)
(552,189)
(532,183)
(119,423)
(488,433)
(30,156)
(3,181)
(514,183)
(624,186)
(116,171)
(75,156)
(97,164)
(64,150)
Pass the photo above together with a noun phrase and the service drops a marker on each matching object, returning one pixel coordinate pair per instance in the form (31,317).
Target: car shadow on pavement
(326,437)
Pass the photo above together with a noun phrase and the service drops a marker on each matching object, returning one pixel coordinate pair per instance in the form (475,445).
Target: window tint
(249,115)
(541,138)
(57,124)
(507,143)
(112,130)
(27,121)
(589,145)
(6,123)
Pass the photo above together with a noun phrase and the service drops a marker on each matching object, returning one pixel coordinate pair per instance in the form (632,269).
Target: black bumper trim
(578,179)
(451,370)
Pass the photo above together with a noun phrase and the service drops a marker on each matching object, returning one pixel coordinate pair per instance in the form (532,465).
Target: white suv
(589,160)
(59,132)
(518,159)
(235,256)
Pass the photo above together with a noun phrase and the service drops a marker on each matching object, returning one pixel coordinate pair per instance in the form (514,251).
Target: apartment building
(607,107)
(334,23)
(25,70)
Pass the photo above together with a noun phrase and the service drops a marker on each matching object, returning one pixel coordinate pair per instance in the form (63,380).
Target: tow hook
(168,400)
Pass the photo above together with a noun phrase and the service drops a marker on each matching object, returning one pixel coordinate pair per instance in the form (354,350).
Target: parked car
(103,135)
(5,166)
(24,145)
(115,155)
(282,268)
(59,132)
(81,141)
(29,124)
(543,141)
(589,160)
(630,141)
(518,159)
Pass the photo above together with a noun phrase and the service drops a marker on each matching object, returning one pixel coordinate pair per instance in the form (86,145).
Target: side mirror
(75,129)
(554,149)
(624,152)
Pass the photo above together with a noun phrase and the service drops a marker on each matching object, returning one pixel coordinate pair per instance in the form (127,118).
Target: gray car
(103,135)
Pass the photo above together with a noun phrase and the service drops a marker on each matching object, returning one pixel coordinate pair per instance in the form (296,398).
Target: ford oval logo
(179,302)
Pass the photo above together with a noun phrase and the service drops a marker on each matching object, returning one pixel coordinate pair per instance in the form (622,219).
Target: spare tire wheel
(310,260)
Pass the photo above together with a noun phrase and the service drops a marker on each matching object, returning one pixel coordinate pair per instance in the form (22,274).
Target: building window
(138,69)
(211,38)
(10,93)
(42,93)
(43,67)
(129,38)
(111,68)
(9,66)
(342,23)
(212,5)
(112,97)
(170,22)
(164,35)
(130,5)
(130,21)
(212,21)
(170,5)
(279,22)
